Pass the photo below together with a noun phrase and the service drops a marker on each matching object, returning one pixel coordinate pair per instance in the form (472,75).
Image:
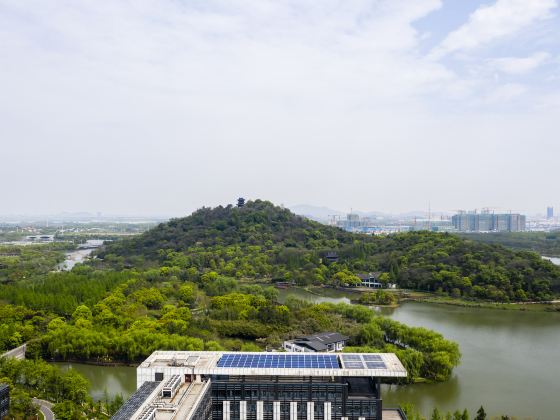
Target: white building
(370,280)
(321,342)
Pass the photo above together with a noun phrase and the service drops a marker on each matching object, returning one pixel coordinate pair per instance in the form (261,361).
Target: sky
(147,107)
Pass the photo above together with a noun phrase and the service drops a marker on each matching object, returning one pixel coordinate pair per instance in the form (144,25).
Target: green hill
(263,241)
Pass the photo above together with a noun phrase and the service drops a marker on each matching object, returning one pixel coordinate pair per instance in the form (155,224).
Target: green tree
(480,414)
(436,414)
(152,297)
(67,410)
(82,312)
(187,293)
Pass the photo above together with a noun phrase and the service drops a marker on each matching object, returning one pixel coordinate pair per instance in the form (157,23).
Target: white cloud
(494,22)
(519,65)
(175,104)
(505,93)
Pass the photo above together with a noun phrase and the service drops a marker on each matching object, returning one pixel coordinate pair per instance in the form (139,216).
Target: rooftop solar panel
(372,358)
(282,361)
(375,365)
(354,365)
(135,401)
(349,357)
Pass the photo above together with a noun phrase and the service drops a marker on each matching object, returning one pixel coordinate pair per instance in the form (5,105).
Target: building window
(159,376)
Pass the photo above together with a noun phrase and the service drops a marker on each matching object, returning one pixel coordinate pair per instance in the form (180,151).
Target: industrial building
(488,222)
(261,386)
(4,400)
(321,342)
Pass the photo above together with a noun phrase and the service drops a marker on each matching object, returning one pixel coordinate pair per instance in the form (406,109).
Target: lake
(554,260)
(510,360)
(113,379)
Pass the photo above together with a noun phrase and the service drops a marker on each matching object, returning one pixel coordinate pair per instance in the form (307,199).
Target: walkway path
(46,408)
(391,414)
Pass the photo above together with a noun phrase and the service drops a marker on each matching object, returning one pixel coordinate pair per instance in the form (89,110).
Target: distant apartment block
(488,222)
(550,212)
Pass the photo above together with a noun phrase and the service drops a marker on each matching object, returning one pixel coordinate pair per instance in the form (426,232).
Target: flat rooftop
(277,363)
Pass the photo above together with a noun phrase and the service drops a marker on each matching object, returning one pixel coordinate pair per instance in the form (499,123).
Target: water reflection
(425,396)
(110,380)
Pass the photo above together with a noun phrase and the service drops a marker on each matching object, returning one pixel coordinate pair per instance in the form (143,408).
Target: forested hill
(263,241)
(257,223)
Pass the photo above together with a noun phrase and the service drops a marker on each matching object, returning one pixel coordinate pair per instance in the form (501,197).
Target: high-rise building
(489,222)
(462,222)
(484,222)
(191,385)
(4,400)
(550,212)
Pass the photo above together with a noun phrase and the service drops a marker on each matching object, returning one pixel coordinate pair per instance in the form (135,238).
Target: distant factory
(487,221)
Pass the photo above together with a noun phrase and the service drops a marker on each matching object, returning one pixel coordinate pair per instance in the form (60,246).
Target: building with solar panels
(261,386)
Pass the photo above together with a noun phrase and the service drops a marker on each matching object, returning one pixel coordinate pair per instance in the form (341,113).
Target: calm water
(555,260)
(510,364)
(79,255)
(73,258)
(113,379)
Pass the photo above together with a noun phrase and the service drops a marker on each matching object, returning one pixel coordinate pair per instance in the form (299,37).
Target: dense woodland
(262,241)
(148,312)
(544,243)
(186,285)
(21,262)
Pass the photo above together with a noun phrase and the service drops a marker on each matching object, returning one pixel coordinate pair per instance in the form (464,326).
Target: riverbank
(94,362)
(417,296)
(427,297)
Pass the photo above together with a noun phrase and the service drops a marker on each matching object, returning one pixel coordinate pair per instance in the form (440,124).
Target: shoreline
(427,297)
(94,363)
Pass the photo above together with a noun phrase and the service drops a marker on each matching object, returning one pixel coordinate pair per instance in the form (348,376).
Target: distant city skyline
(163,107)
(320,211)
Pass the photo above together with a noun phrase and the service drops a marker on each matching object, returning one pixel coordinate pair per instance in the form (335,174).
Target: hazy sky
(144,107)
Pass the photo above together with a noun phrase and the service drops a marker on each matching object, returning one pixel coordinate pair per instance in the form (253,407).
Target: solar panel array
(280,361)
(135,401)
(362,361)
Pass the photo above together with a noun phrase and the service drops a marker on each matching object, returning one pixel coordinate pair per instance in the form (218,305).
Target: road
(45,408)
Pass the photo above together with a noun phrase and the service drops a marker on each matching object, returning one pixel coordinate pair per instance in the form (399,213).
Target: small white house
(370,280)
(321,342)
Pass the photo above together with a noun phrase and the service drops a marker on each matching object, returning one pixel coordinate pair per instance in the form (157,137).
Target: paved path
(391,414)
(45,408)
